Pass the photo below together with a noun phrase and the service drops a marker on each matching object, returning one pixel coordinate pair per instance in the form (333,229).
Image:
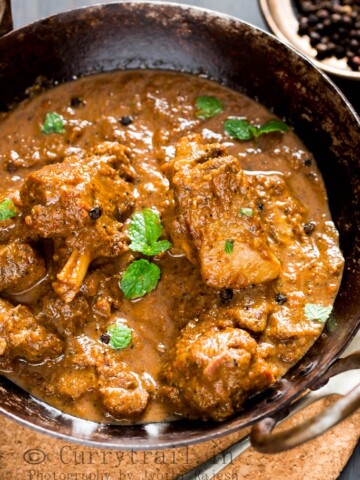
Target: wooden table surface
(25,11)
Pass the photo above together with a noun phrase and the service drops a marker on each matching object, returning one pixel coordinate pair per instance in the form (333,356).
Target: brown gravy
(162,110)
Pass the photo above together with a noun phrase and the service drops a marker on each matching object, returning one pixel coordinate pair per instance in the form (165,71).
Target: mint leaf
(7,209)
(155,248)
(238,128)
(54,123)
(271,126)
(318,313)
(246,212)
(229,246)
(140,278)
(241,129)
(144,231)
(120,336)
(207,107)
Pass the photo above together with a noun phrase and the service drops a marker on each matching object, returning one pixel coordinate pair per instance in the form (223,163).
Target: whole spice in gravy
(126,121)
(95,213)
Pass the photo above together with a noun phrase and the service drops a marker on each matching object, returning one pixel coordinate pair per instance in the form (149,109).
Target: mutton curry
(166,247)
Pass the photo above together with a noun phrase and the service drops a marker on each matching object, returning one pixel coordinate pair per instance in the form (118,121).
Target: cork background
(25,454)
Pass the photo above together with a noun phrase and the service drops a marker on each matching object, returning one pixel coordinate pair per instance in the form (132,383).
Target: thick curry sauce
(253,253)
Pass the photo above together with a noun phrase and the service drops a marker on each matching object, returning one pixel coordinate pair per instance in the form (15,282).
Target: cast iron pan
(175,37)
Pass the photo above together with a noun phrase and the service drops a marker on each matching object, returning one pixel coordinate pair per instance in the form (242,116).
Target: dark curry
(166,247)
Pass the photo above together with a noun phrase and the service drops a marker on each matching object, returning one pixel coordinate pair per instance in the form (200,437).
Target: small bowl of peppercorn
(327,31)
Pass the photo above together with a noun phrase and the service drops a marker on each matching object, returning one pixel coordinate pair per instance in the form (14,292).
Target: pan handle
(264,441)
(6,21)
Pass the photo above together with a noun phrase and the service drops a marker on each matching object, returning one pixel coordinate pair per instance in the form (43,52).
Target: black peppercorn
(10,167)
(339,52)
(309,228)
(126,121)
(105,338)
(226,295)
(319,27)
(322,51)
(308,162)
(354,62)
(346,20)
(281,298)
(303,26)
(307,7)
(76,102)
(327,23)
(354,44)
(95,213)
(260,206)
(322,14)
(315,38)
(312,19)
(333,28)
(335,18)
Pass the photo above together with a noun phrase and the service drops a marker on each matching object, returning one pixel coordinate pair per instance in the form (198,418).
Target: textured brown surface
(321,459)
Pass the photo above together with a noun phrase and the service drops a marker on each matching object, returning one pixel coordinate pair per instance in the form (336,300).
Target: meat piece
(24,336)
(213,368)
(215,204)
(283,216)
(82,352)
(20,267)
(253,318)
(75,383)
(80,204)
(124,394)
(12,228)
(64,317)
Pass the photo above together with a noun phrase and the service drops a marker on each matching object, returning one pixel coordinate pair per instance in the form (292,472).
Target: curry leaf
(54,123)
(316,312)
(120,336)
(144,231)
(140,278)
(207,107)
(7,209)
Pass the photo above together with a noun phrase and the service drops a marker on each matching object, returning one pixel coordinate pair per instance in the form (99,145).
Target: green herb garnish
(120,336)
(140,278)
(7,209)
(241,129)
(271,126)
(54,123)
(229,246)
(318,313)
(207,107)
(144,232)
(238,128)
(246,212)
